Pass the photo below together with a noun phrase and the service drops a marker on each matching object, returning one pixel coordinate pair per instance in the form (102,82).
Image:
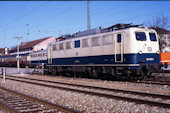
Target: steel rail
(154,82)
(101,88)
(34,99)
(164,105)
(8,108)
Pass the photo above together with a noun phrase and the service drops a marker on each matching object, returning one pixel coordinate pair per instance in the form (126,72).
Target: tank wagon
(121,51)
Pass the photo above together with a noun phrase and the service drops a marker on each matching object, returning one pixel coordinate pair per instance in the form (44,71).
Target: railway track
(137,97)
(155,82)
(15,102)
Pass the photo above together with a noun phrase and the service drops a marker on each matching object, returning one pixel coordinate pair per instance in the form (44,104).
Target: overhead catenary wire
(111,22)
(23,15)
(47,18)
(151,13)
(5,26)
(92,15)
(97,25)
(13,10)
(77,21)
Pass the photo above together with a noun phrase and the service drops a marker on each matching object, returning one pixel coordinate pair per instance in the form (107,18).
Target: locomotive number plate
(149,59)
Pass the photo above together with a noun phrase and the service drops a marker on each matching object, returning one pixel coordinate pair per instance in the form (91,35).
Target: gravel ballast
(142,87)
(84,102)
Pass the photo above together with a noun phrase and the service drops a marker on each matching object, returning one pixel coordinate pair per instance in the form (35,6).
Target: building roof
(28,45)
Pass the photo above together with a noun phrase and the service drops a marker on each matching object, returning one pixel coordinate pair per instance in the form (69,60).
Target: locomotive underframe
(105,72)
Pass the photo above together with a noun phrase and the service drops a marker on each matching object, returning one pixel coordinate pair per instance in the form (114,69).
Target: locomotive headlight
(140,52)
(158,52)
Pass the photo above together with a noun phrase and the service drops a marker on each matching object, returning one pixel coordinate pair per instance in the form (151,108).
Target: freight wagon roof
(28,45)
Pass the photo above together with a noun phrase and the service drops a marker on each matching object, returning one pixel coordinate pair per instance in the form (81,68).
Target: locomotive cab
(146,48)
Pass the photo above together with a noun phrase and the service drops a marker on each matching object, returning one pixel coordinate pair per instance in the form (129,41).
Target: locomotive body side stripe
(107,60)
(38,61)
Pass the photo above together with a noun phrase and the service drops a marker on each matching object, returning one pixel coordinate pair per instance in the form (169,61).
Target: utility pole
(4,37)
(18,57)
(88,15)
(27,31)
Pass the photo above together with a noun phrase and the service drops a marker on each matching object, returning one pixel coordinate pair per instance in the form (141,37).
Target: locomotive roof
(99,30)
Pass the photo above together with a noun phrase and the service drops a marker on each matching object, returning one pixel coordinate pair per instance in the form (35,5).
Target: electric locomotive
(121,51)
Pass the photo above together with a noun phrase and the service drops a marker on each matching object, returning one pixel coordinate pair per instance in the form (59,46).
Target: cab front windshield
(140,36)
(152,37)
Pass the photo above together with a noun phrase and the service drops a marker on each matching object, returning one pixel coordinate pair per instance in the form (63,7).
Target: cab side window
(77,44)
(119,38)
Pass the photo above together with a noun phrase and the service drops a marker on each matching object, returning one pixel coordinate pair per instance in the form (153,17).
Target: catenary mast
(88,15)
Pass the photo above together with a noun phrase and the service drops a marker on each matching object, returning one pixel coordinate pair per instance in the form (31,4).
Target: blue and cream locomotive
(121,51)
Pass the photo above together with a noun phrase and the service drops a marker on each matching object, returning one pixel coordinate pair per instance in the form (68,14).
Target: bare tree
(160,24)
(158,21)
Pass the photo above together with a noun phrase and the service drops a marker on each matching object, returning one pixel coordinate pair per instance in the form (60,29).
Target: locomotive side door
(50,54)
(118,47)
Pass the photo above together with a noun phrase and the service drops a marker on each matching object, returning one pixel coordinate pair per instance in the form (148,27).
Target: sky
(55,18)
